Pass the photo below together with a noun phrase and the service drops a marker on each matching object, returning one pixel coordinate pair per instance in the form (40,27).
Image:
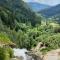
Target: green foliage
(54,41)
(12,11)
(45,50)
(10,52)
(4,54)
(4,38)
(29,37)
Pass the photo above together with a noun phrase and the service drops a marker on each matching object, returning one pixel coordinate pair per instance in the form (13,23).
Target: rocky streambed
(23,54)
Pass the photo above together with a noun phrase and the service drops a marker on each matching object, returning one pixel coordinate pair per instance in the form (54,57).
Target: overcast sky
(48,2)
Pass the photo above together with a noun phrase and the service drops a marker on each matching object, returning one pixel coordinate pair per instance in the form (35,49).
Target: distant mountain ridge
(55,10)
(37,6)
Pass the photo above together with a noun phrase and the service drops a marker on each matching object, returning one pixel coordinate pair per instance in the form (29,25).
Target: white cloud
(49,2)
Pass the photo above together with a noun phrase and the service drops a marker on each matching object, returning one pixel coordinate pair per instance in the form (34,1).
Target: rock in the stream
(34,56)
(52,55)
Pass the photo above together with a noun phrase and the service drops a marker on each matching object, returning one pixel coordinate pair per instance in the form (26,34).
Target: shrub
(10,51)
(4,38)
(4,54)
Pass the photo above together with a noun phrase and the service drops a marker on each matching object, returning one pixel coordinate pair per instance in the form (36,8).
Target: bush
(4,54)
(4,38)
(10,51)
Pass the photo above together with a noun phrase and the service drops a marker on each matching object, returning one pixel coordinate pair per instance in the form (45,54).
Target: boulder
(52,55)
(34,56)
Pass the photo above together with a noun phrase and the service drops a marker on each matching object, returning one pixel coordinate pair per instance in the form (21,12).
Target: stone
(52,55)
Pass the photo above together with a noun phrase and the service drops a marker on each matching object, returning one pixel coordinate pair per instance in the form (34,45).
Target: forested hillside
(15,16)
(20,11)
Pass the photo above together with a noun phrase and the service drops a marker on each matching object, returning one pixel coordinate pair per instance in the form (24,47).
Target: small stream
(22,54)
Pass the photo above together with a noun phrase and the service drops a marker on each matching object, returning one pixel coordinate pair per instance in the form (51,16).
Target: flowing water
(22,53)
